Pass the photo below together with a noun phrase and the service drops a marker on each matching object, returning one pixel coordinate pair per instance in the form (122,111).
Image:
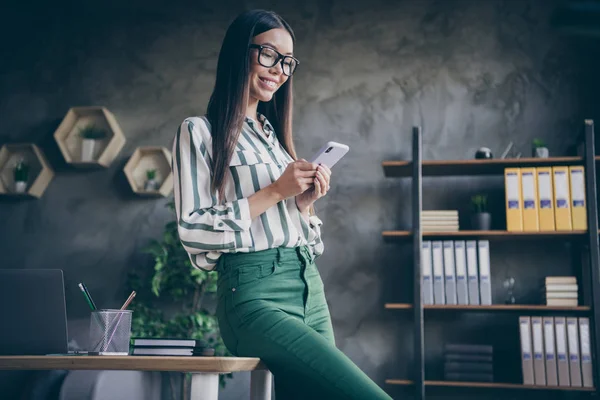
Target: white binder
(449,272)
(462,291)
(427,273)
(526,353)
(573,340)
(539,367)
(472,272)
(550,352)
(485,285)
(562,356)
(438,272)
(587,372)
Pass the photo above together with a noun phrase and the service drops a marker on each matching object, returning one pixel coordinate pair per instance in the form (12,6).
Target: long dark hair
(229,99)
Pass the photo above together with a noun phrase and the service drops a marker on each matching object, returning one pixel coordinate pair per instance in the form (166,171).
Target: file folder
(562,359)
(539,364)
(578,204)
(562,199)
(514,213)
(550,352)
(573,340)
(462,291)
(545,198)
(472,272)
(439,295)
(587,372)
(485,284)
(427,272)
(526,353)
(529,194)
(450,281)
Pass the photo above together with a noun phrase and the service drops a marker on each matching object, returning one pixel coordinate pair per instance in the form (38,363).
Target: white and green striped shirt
(208,227)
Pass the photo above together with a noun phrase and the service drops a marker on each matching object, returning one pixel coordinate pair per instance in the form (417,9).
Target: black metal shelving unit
(416,170)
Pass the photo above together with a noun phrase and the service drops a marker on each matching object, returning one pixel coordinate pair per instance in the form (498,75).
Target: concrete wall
(471,73)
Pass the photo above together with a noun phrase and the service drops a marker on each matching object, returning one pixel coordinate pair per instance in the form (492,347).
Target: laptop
(33,312)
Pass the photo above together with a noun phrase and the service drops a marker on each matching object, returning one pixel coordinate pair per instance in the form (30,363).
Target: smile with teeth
(269,83)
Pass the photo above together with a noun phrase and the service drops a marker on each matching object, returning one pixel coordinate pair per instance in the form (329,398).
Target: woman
(244,208)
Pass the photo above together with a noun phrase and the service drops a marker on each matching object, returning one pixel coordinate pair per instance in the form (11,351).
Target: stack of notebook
(439,221)
(170,347)
(561,291)
(468,362)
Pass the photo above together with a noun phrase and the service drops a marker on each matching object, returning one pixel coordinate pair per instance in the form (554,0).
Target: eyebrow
(275,47)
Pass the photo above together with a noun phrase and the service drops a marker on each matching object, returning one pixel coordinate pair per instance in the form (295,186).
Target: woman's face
(264,81)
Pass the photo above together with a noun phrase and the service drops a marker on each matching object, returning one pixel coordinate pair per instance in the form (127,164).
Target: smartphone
(330,154)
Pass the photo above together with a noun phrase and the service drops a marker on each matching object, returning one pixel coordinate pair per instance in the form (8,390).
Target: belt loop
(279,250)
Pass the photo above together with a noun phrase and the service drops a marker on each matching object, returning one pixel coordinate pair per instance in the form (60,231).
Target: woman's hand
(318,190)
(297,178)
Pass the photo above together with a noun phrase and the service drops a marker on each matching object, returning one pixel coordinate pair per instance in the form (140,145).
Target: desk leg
(260,385)
(205,386)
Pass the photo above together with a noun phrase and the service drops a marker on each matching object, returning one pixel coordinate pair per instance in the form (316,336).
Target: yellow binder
(514,214)
(562,199)
(529,196)
(545,198)
(578,203)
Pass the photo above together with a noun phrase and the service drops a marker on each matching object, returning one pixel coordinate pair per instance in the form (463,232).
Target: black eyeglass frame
(280,58)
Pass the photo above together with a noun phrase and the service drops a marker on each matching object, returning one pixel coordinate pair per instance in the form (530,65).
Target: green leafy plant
(172,296)
(150,174)
(537,143)
(479,203)
(92,132)
(21,171)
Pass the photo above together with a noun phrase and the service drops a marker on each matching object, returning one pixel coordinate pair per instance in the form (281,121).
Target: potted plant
(175,299)
(151,183)
(481,219)
(90,134)
(539,149)
(21,175)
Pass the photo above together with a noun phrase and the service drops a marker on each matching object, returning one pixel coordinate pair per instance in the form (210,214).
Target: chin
(262,95)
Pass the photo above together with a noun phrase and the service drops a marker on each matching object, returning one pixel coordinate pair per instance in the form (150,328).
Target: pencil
(129,299)
(87,296)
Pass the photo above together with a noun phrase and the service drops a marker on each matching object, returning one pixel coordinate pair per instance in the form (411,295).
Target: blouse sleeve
(204,226)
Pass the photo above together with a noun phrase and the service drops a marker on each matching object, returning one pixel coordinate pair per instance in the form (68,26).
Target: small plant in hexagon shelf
(21,175)
(175,299)
(481,219)
(151,182)
(90,134)
(539,149)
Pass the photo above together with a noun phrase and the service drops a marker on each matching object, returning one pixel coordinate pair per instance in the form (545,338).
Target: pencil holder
(110,332)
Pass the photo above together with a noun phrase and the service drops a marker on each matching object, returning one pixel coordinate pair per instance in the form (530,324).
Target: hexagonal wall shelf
(89,136)
(30,181)
(139,173)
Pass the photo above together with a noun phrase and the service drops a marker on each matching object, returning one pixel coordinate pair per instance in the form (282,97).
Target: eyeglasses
(269,57)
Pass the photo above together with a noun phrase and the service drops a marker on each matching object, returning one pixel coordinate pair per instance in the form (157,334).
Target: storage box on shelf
(24,170)
(89,136)
(574,217)
(148,171)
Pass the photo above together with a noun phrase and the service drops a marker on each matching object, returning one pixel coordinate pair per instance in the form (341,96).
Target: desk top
(132,363)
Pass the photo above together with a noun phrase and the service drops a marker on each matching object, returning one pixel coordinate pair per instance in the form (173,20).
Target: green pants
(272,306)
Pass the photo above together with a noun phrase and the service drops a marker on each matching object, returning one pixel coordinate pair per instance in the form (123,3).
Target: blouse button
(233,289)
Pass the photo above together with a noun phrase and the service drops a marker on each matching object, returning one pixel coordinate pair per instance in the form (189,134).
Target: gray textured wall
(472,73)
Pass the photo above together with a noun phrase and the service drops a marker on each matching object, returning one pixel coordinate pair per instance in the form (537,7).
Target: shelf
(490,385)
(39,173)
(494,307)
(102,151)
(150,158)
(393,236)
(399,169)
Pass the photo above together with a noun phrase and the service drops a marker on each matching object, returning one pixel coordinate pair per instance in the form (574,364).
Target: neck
(251,109)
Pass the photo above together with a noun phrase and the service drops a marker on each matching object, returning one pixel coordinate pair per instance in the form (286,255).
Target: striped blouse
(207,227)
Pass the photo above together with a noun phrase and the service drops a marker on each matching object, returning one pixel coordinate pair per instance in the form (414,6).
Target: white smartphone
(330,154)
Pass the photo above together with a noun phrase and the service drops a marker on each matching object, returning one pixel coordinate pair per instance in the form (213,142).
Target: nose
(277,69)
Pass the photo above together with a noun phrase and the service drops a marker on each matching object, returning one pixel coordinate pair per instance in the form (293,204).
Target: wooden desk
(205,370)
